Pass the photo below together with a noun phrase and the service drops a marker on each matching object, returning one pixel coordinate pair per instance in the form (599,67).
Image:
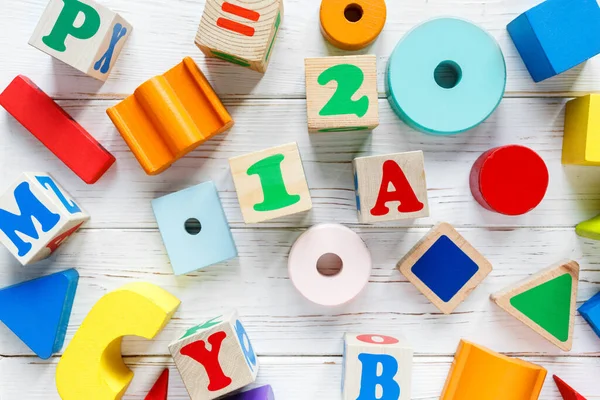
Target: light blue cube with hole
(194,228)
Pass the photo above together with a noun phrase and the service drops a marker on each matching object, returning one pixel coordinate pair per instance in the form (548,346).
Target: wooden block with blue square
(444,267)
(556,35)
(194,228)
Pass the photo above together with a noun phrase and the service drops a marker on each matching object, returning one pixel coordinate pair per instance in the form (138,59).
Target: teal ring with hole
(446,76)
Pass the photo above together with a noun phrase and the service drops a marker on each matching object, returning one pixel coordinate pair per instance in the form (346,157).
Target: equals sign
(236,26)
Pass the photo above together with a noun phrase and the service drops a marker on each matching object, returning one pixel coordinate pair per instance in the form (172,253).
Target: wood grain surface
(300,344)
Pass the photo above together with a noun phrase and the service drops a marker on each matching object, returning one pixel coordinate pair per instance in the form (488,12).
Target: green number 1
(271,180)
(349,79)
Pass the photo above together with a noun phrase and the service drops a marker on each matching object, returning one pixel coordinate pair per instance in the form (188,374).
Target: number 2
(349,79)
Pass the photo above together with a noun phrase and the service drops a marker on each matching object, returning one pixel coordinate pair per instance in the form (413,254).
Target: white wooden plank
(122,197)
(281,322)
(164,33)
(292,378)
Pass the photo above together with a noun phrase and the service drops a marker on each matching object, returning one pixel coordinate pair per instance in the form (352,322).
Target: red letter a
(209,360)
(392,173)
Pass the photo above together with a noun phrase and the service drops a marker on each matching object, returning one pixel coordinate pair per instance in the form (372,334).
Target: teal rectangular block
(194,228)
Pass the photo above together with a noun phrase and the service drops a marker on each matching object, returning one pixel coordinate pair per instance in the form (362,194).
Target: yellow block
(581,143)
(478,373)
(91,367)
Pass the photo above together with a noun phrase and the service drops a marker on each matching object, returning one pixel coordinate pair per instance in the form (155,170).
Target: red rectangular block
(48,122)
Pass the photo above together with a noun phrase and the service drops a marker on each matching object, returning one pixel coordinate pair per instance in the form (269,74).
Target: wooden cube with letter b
(376,367)
(83,34)
(37,196)
(341,93)
(270,183)
(215,357)
(242,32)
(390,187)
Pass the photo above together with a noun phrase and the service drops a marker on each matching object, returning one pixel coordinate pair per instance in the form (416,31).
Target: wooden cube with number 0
(341,93)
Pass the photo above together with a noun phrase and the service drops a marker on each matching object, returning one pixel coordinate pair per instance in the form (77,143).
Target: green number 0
(349,79)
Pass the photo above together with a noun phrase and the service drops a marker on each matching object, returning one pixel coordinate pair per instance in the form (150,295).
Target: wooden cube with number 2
(341,93)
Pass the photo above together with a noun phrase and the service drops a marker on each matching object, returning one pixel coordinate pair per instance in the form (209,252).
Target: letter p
(65,24)
(370,378)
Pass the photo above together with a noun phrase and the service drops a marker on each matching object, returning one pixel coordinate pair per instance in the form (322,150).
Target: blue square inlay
(445,268)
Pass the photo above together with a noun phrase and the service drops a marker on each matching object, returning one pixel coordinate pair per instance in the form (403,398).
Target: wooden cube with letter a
(270,183)
(390,187)
(83,34)
(341,93)
(376,367)
(215,357)
(37,196)
(242,32)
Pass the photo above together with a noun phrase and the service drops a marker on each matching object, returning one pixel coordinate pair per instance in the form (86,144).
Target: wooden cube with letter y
(215,357)
(37,196)
(83,34)
(242,32)
(390,187)
(270,183)
(376,367)
(341,93)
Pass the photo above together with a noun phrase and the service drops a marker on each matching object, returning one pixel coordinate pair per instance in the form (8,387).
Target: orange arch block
(478,373)
(170,115)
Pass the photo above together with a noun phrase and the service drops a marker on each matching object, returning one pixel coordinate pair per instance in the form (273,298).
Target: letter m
(30,207)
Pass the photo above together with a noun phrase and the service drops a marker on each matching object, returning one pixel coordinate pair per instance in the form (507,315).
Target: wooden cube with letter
(242,32)
(37,196)
(406,198)
(341,93)
(270,183)
(376,363)
(215,357)
(83,34)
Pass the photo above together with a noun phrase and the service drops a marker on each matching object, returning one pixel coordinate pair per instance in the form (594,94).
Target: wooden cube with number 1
(341,93)
(270,183)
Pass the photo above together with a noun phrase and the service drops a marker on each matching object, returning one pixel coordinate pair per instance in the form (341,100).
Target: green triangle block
(548,305)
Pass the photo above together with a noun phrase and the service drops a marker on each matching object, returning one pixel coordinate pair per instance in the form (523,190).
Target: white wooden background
(299,343)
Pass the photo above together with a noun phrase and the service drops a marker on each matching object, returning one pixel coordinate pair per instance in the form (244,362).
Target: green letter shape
(271,180)
(548,305)
(208,324)
(64,25)
(349,79)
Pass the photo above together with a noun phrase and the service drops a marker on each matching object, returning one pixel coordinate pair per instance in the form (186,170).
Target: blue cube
(590,311)
(194,228)
(556,35)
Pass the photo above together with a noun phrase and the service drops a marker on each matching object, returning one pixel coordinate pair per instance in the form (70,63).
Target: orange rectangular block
(170,115)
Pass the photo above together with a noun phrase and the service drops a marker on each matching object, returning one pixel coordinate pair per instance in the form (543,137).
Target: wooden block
(556,35)
(341,93)
(510,180)
(376,367)
(589,229)
(566,391)
(160,390)
(242,32)
(270,183)
(194,228)
(38,311)
(390,187)
(478,373)
(259,393)
(590,311)
(444,267)
(545,302)
(352,24)
(170,115)
(36,195)
(230,364)
(581,142)
(91,367)
(52,126)
(83,34)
